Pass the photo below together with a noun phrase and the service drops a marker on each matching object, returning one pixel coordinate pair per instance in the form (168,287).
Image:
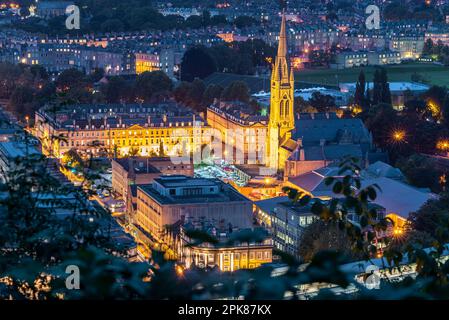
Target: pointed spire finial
(282,49)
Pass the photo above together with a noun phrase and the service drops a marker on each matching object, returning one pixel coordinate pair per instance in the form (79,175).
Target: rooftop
(175,181)
(226,192)
(140,164)
(395,195)
(238,112)
(15,149)
(314,128)
(122,116)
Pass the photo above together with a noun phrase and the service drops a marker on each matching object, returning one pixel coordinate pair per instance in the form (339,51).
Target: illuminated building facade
(163,59)
(237,126)
(147,62)
(226,257)
(268,135)
(364,58)
(409,46)
(182,203)
(170,199)
(120,130)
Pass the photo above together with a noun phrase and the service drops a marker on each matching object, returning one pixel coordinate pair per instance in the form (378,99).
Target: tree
(377,87)
(244,21)
(46,94)
(445,111)
(322,102)
(149,84)
(161,149)
(321,57)
(424,133)
(195,95)
(417,107)
(39,72)
(70,78)
(428,47)
(181,92)
(242,57)
(72,159)
(303,106)
(133,151)
(381,87)
(96,75)
(34,240)
(196,63)
(385,86)
(432,217)
(218,19)
(236,91)
(213,91)
(141,17)
(191,94)
(9,75)
(359,96)
(382,120)
(117,90)
(224,57)
(435,98)
(259,51)
(112,25)
(244,64)
(411,238)
(420,171)
(395,12)
(321,235)
(22,101)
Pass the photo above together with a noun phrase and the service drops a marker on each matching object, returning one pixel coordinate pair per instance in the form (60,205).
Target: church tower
(282,120)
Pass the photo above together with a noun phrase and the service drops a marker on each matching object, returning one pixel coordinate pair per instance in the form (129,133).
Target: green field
(430,74)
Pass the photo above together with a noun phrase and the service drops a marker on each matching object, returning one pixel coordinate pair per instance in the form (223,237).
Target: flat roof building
(143,170)
(173,204)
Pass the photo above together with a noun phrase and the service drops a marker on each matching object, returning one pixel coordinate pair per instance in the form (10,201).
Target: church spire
(281,65)
(281,121)
(282,48)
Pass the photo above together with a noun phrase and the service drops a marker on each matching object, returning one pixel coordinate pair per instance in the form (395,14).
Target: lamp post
(399,135)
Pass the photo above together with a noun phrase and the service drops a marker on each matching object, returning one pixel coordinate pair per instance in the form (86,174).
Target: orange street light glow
(399,135)
(179,271)
(443,145)
(433,107)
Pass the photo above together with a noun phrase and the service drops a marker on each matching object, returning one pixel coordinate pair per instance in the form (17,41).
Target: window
(191,192)
(172,192)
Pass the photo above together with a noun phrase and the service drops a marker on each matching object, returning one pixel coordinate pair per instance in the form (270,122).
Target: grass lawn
(430,73)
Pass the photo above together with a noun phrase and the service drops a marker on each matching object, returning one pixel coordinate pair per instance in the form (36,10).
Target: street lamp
(443,145)
(398,135)
(27,119)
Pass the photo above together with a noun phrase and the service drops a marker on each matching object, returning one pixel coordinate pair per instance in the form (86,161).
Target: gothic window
(287,107)
(282,108)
